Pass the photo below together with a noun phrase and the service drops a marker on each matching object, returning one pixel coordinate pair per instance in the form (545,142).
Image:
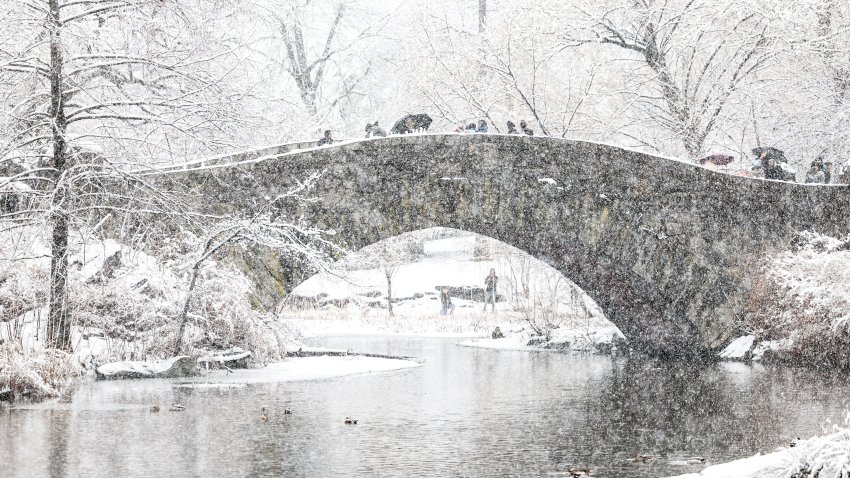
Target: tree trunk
(184,315)
(389,292)
(482,16)
(58,319)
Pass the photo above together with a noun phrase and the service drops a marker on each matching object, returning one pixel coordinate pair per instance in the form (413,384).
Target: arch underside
(667,249)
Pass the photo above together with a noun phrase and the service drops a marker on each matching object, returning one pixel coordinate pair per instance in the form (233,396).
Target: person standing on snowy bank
(446,301)
(525,129)
(490,290)
(482,127)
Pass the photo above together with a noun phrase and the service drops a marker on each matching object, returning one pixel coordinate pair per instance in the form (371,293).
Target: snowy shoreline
(296,369)
(824,456)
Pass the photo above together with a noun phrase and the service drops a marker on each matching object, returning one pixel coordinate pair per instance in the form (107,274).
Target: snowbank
(519,337)
(823,457)
(307,368)
(739,348)
(181,366)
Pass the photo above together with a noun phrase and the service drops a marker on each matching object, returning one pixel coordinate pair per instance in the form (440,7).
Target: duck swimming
(350,421)
(177,407)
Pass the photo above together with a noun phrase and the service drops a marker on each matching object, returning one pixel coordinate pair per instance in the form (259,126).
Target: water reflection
(57,437)
(466,412)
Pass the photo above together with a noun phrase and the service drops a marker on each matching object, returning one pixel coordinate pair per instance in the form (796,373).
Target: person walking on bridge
(490,290)
(815,173)
(327,139)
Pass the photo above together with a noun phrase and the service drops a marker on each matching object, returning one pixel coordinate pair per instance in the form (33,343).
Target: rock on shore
(181,366)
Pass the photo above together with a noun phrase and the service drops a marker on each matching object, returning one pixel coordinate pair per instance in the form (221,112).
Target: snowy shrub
(804,298)
(823,457)
(222,317)
(22,288)
(133,299)
(35,374)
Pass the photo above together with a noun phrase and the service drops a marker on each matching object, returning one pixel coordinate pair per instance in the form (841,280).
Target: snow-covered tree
(94,89)
(513,70)
(387,256)
(696,59)
(266,226)
(322,51)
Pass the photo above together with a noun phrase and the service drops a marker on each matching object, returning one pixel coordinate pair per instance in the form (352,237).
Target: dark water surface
(466,412)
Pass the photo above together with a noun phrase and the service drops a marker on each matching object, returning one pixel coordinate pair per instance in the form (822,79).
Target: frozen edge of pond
(829,455)
(305,368)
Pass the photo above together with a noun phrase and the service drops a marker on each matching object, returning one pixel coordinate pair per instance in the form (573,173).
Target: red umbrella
(718,159)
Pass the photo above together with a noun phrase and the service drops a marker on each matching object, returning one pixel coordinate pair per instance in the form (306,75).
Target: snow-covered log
(230,358)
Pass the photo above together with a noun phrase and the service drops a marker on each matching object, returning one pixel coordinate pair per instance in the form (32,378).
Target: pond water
(465,412)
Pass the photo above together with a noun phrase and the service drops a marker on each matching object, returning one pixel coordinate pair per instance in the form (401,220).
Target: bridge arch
(668,250)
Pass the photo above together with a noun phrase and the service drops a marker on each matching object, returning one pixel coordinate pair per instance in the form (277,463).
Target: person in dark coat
(525,129)
(827,172)
(490,283)
(327,139)
(512,128)
(497,334)
(815,173)
(770,166)
(446,302)
(482,127)
(373,130)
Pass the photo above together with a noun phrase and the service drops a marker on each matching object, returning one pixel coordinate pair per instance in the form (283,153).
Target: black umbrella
(404,125)
(718,159)
(771,152)
(400,126)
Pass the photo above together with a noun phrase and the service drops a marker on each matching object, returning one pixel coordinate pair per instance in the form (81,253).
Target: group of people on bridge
(482,127)
(421,122)
(771,163)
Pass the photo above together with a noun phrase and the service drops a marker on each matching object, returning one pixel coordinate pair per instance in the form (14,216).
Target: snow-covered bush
(129,300)
(22,288)
(35,374)
(803,299)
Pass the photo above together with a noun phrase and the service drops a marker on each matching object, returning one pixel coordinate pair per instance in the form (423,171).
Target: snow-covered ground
(303,368)
(354,301)
(823,457)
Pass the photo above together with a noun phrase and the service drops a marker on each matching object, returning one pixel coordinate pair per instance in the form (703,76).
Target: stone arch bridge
(669,250)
